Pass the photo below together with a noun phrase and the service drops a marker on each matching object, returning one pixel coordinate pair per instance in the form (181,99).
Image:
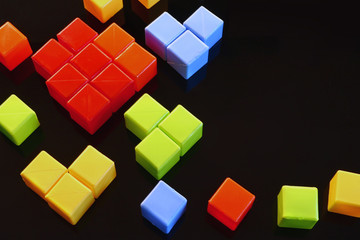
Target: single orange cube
(230,203)
(113,40)
(14,46)
(138,64)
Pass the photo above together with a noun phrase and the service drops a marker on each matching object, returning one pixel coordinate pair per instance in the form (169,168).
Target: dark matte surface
(278,105)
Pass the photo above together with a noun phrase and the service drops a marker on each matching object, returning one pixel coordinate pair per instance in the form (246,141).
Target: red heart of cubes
(93,75)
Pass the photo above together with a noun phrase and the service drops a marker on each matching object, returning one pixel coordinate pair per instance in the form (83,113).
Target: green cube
(157,153)
(17,120)
(298,207)
(144,116)
(182,127)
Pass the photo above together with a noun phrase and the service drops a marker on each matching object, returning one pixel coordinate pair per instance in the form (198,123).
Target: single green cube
(298,207)
(182,127)
(17,120)
(157,153)
(144,116)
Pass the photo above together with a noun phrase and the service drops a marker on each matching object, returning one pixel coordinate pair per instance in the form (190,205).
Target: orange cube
(138,64)
(14,46)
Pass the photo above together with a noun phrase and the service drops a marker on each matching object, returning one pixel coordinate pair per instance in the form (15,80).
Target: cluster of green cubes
(166,136)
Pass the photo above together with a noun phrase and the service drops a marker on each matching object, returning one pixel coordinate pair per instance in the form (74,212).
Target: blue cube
(161,32)
(206,26)
(163,207)
(187,54)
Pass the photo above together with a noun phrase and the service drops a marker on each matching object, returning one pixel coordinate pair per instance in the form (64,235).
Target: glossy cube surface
(103,10)
(17,120)
(187,54)
(144,116)
(14,46)
(157,153)
(230,203)
(161,32)
(298,207)
(163,207)
(183,128)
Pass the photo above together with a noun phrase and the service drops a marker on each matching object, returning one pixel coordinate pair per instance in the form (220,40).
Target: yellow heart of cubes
(70,192)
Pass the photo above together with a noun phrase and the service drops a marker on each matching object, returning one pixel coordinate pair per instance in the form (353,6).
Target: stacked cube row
(70,192)
(93,75)
(184,46)
(165,136)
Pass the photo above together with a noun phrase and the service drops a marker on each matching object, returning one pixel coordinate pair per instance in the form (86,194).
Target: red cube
(230,203)
(76,36)
(115,85)
(65,83)
(89,108)
(50,58)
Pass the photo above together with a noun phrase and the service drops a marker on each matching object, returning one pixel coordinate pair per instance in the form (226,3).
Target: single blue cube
(187,54)
(163,207)
(161,32)
(206,26)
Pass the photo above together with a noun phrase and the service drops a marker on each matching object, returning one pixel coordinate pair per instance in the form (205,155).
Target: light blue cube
(161,32)
(187,54)
(163,207)
(206,26)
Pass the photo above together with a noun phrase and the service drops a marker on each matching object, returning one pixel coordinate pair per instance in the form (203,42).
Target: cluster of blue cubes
(184,46)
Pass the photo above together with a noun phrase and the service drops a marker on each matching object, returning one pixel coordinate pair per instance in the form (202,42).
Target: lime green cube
(298,207)
(157,153)
(144,116)
(182,127)
(17,120)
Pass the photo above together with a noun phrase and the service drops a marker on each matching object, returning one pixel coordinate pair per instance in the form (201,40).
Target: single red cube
(14,46)
(89,108)
(76,36)
(113,40)
(115,85)
(50,58)
(65,83)
(90,61)
(230,203)
(138,64)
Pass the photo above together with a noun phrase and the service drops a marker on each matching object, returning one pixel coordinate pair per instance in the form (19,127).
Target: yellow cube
(344,194)
(93,169)
(70,198)
(148,3)
(103,9)
(42,173)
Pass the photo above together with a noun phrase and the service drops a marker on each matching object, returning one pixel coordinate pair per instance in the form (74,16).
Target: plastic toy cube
(161,32)
(187,54)
(230,203)
(206,26)
(76,36)
(50,58)
(115,85)
(43,173)
(103,10)
(298,207)
(138,64)
(70,198)
(17,120)
(344,197)
(157,153)
(94,170)
(183,128)
(163,207)
(144,116)
(90,61)
(148,3)
(14,46)
(113,40)
(65,83)
(89,108)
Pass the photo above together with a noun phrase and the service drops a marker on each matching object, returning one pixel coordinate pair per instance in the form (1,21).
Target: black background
(278,101)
